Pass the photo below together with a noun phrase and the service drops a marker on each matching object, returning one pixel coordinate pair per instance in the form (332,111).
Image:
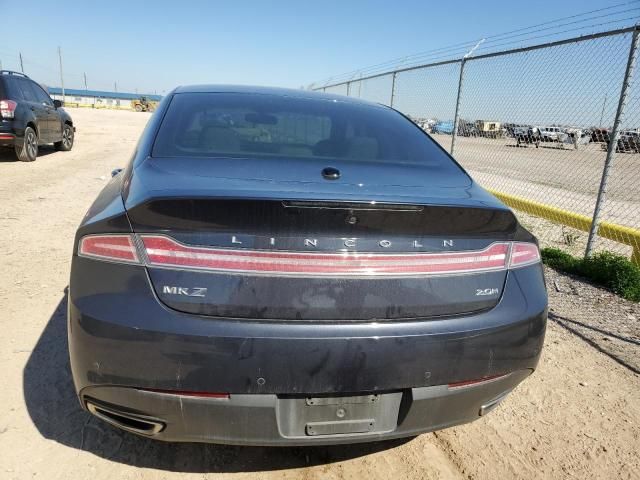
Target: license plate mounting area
(314,416)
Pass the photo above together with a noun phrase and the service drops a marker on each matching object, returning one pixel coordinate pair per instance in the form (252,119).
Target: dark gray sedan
(281,267)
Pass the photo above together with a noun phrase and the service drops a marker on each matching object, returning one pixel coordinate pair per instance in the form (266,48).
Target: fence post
(613,143)
(393,88)
(456,116)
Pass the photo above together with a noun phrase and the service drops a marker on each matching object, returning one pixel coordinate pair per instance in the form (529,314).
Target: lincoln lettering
(314,243)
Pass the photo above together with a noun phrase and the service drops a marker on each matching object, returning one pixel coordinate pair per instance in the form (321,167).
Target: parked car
(348,282)
(578,136)
(467,129)
(510,127)
(600,135)
(552,134)
(445,127)
(30,118)
(628,142)
(526,136)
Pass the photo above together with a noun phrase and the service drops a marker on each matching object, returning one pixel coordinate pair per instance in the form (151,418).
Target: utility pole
(115,86)
(64,99)
(604,103)
(86,90)
(613,146)
(21,65)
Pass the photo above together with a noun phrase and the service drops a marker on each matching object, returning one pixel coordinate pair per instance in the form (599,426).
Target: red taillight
(7,108)
(118,248)
(523,254)
(166,252)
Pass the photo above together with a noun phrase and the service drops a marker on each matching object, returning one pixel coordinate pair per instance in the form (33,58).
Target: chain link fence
(553,130)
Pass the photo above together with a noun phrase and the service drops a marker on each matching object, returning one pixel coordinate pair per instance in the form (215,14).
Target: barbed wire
(490,42)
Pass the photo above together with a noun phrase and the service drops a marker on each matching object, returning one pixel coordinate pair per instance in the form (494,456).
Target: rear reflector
(477,382)
(119,248)
(189,393)
(166,252)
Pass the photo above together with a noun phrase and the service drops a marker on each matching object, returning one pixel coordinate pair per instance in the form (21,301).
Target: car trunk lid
(368,247)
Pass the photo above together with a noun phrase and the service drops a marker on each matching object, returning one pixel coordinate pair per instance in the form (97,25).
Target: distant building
(97,98)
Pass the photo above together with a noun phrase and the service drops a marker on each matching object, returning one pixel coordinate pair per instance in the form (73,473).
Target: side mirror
(115,171)
(57,103)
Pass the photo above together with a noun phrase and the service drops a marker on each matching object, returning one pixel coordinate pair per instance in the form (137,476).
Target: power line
(566,31)
(567,18)
(422,56)
(573,23)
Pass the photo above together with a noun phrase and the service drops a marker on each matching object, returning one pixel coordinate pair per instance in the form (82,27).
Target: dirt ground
(578,416)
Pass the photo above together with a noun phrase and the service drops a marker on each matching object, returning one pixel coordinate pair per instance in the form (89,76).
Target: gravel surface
(578,416)
(606,321)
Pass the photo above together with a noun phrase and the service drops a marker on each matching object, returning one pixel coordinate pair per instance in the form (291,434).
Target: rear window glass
(9,88)
(211,125)
(28,90)
(41,95)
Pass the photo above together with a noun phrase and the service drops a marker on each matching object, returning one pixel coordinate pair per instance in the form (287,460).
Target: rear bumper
(266,419)
(122,339)
(7,138)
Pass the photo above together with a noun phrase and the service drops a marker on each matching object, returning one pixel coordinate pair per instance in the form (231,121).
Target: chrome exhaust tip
(487,407)
(131,422)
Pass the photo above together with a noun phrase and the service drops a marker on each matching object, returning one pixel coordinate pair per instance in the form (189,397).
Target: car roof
(281,92)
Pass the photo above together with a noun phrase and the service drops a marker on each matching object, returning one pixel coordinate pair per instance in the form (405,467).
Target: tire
(138,108)
(66,143)
(28,151)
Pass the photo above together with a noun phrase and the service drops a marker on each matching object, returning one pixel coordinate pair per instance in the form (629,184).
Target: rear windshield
(254,125)
(9,88)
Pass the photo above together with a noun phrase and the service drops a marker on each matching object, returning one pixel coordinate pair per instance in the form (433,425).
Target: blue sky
(154,46)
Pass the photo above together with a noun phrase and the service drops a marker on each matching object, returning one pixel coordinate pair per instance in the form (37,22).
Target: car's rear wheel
(28,150)
(138,108)
(66,143)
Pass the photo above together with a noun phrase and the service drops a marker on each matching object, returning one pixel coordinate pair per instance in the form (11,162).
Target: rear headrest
(219,138)
(365,148)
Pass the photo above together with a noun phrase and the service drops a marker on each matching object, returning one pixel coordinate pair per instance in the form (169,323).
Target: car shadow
(54,409)
(7,154)
(575,328)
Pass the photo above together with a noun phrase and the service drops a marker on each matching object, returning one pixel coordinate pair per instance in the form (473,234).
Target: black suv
(29,117)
